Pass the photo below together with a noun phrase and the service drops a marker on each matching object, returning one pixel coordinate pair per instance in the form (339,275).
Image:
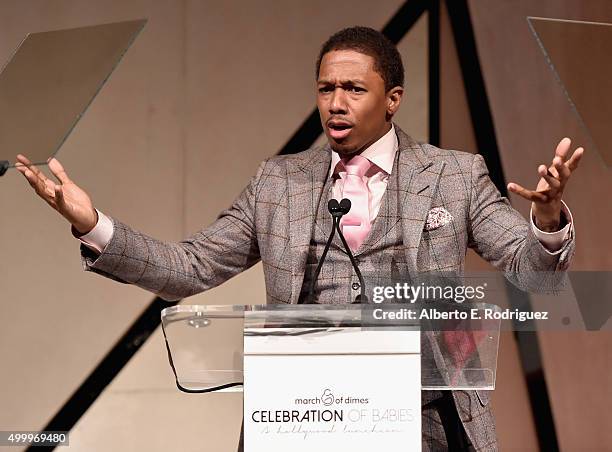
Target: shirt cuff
(553,241)
(99,236)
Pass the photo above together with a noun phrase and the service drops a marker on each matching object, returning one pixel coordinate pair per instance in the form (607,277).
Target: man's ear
(394,98)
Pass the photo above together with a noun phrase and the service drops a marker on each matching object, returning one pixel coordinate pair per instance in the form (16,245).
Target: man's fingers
(50,187)
(551,171)
(58,170)
(29,175)
(562,170)
(574,160)
(33,168)
(59,195)
(44,186)
(23,159)
(37,184)
(529,195)
(563,148)
(20,167)
(41,185)
(552,181)
(556,175)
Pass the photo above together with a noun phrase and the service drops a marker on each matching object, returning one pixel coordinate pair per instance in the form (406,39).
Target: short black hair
(387,60)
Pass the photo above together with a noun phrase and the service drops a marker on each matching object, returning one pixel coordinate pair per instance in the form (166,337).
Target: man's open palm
(546,198)
(64,195)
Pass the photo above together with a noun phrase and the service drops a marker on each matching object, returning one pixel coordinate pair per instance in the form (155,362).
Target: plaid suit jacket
(272,220)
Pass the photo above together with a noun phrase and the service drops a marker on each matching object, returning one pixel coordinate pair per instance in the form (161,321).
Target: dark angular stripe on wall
(433,46)
(475,90)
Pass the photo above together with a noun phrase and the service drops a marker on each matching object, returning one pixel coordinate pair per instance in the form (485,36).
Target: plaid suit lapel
(419,177)
(306,178)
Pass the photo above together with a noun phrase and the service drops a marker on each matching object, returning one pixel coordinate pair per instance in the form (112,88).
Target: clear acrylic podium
(314,376)
(206,343)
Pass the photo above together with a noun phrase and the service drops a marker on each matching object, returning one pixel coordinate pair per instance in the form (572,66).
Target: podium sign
(308,389)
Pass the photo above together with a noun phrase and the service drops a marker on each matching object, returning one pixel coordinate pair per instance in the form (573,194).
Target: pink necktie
(355,224)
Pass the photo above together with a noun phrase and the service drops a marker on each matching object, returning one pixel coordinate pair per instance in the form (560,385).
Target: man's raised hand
(71,201)
(546,198)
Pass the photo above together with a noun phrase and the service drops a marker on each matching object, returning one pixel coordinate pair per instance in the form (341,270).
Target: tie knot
(355,166)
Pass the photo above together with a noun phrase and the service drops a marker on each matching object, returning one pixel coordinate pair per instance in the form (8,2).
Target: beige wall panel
(531,114)
(58,322)
(160,421)
(578,367)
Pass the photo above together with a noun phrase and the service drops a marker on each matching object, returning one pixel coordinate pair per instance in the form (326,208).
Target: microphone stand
(334,208)
(363,298)
(337,210)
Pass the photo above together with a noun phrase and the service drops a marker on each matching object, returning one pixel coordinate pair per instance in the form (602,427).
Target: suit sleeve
(177,270)
(500,235)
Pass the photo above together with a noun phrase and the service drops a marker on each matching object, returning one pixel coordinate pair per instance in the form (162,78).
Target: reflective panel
(579,55)
(50,81)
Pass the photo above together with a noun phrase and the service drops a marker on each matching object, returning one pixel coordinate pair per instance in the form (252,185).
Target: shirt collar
(381,153)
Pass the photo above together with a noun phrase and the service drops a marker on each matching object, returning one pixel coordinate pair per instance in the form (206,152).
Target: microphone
(337,211)
(345,206)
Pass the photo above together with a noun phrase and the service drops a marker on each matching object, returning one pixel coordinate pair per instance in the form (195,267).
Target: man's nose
(338,101)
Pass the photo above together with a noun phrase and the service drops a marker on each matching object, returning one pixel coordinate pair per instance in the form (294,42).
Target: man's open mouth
(339,130)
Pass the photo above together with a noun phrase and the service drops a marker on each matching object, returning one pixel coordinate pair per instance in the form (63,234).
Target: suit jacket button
(355,286)
(361,299)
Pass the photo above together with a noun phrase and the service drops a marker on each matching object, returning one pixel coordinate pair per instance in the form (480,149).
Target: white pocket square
(437,217)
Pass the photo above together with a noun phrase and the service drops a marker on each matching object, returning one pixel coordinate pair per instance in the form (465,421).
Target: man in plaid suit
(426,205)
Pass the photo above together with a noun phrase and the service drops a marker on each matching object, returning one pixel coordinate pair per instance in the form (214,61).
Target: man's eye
(355,89)
(325,89)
